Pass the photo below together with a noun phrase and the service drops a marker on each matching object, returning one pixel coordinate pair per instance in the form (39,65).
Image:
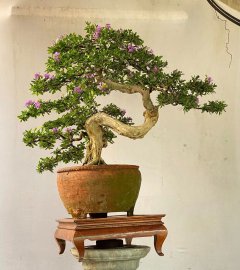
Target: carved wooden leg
(128,241)
(159,239)
(61,244)
(79,245)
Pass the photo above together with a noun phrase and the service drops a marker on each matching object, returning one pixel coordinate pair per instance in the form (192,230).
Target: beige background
(189,162)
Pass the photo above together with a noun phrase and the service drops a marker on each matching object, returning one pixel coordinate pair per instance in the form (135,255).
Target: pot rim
(97,167)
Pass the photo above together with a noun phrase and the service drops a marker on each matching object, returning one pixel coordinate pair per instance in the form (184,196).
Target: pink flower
(90,75)
(77,90)
(98,28)
(47,76)
(150,51)
(108,25)
(102,86)
(155,69)
(69,130)
(97,32)
(59,38)
(129,119)
(209,80)
(55,130)
(56,56)
(37,76)
(123,112)
(29,102)
(96,35)
(37,104)
(131,48)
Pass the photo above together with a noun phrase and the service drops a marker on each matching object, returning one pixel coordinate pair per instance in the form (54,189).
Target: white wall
(189,162)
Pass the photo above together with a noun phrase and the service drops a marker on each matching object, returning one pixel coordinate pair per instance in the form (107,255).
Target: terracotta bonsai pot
(99,188)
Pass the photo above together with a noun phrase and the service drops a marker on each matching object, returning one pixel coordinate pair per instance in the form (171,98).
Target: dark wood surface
(127,227)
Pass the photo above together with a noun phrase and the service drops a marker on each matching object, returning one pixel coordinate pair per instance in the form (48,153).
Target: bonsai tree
(81,68)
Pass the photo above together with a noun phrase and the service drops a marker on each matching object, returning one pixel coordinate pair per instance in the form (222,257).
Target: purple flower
(37,76)
(47,76)
(55,130)
(96,35)
(90,75)
(131,48)
(52,77)
(102,86)
(97,32)
(155,69)
(56,56)
(29,102)
(108,25)
(37,104)
(129,119)
(69,130)
(209,80)
(98,28)
(123,112)
(150,51)
(77,90)
(59,38)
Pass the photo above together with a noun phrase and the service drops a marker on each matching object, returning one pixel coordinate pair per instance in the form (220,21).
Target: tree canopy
(84,67)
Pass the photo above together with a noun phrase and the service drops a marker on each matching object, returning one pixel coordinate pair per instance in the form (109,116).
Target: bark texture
(94,125)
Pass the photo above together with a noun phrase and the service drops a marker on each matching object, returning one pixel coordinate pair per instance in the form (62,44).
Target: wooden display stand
(127,227)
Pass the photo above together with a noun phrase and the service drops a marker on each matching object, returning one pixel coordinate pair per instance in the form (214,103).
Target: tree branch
(133,132)
(132,89)
(94,125)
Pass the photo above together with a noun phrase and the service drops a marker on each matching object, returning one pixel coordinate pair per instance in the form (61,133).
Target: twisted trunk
(94,125)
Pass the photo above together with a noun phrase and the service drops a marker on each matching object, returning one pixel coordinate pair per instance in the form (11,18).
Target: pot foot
(130,212)
(98,215)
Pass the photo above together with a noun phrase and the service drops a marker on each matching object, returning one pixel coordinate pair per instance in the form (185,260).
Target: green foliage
(66,153)
(76,68)
(117,113)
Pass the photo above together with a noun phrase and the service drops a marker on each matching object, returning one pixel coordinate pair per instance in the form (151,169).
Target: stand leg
(159,239)
(79,245)
(61,244)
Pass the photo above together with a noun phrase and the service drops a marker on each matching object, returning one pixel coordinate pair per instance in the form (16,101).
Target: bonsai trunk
(94,125)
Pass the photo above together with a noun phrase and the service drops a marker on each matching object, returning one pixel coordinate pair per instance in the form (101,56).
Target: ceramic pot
(93,189)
